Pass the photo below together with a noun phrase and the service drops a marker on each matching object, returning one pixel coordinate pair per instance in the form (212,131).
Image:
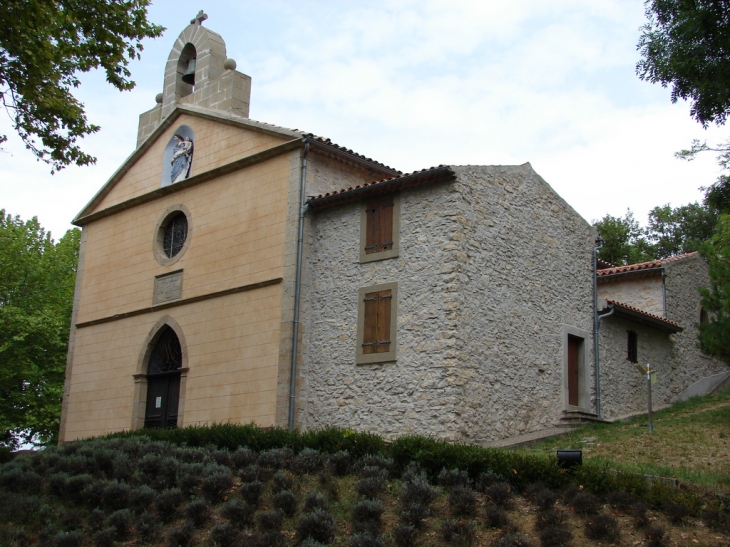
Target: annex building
(233,270)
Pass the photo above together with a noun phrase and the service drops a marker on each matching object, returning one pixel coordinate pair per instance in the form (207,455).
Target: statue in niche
(182,157)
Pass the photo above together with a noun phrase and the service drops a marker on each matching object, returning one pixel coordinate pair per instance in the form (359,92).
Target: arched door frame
(140,376)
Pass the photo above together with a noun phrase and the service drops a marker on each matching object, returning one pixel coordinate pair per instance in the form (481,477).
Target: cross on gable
(199,18)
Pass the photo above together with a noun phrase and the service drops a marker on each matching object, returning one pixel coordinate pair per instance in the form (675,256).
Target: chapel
(236,271)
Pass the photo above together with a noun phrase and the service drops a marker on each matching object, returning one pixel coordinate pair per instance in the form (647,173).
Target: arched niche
(177,160)
(161,377)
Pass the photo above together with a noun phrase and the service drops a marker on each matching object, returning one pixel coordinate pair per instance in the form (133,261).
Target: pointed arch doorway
(163,381)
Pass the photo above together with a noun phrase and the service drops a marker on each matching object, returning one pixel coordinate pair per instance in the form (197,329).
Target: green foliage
(679,230)
(37,278)
(43,47)
(715,334)
(624,240)
(687,45)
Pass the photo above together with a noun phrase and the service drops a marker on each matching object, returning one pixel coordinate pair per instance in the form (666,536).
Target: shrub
(224,535)
(115,496)
(216,485)
(307,461)
(243,457)
(168,502)
(123,521)
(462,501)
(487,479)
(250,473)
(239,513)
(551,517)
(555,536)
(95,520)
(412,472)
(67,539)
(221,457)
(370,487)
(377,460)
(317,525)
(180,536)
(19,537)
(497,517)
(70,519)
(418,490)
(405,535)
(676,512)
(716,520)
(327,483)
(57,484)
(148,527)
(621,501)
(366,516)
(545,499)
(453,477)
(189,477)
(655,536)
(413,514)
(286,501)
(269,521)
(373,471)
(500,493)
(141,497)
(190,454)
(105,537)
(459,532)
(585,503)
(365,540)
(198,512)
(569,493)
(274,459)
(638,511)
(309,542)
(251,492)
(603,526)
(18,508)
(340,462)
(514,539)
(283,480)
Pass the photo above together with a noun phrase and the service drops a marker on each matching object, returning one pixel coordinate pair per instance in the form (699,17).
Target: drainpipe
(297,287)
(596,320)
(664,292)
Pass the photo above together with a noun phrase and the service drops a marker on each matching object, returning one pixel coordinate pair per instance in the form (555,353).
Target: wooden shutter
(379,225)
(370,327)
(372,236)
(376,327)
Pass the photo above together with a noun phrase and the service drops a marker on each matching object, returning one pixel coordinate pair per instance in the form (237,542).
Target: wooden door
(573,365)
(163,397)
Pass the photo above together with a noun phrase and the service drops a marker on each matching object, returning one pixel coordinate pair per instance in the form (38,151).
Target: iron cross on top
(199,18)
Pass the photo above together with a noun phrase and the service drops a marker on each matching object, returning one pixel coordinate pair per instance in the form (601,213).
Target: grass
(690,442)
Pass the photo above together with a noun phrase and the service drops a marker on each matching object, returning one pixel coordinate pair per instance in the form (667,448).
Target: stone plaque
(168,287)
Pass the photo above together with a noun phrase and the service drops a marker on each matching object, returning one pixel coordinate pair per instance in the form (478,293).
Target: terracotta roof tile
(407,179)
(643,265)
(642,312)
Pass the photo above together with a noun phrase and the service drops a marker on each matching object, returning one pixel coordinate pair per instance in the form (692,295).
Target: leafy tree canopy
(686,44)
(623,240)
(716,300)
(37,278)
(44,46)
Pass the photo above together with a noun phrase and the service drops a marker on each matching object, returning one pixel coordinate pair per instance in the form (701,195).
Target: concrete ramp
(707,385)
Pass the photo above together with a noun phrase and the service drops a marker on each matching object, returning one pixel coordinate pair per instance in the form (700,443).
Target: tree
(686,44)
(714,337)
(680,230)
(624,241)
(44,46)
(37,278)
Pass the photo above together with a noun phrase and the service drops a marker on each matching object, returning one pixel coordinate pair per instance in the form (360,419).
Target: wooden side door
(573,366)
(163,398)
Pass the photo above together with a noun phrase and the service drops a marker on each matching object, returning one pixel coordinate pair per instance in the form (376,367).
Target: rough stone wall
(643,291)
(491,266)
(525,266)
(325,174)
(676,357)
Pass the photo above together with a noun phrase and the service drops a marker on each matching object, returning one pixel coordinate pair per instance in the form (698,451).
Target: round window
(176,233)
(172,235)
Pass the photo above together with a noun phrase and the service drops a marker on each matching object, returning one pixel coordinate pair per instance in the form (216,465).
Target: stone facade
(480,312)
(672,286)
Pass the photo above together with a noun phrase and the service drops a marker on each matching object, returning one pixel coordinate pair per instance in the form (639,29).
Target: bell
(189,76)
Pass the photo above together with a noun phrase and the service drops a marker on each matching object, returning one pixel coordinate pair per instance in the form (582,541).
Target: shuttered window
(376,335)
(379,228)
(376,323)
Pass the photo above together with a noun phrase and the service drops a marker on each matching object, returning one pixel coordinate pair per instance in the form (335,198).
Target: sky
(413,84)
